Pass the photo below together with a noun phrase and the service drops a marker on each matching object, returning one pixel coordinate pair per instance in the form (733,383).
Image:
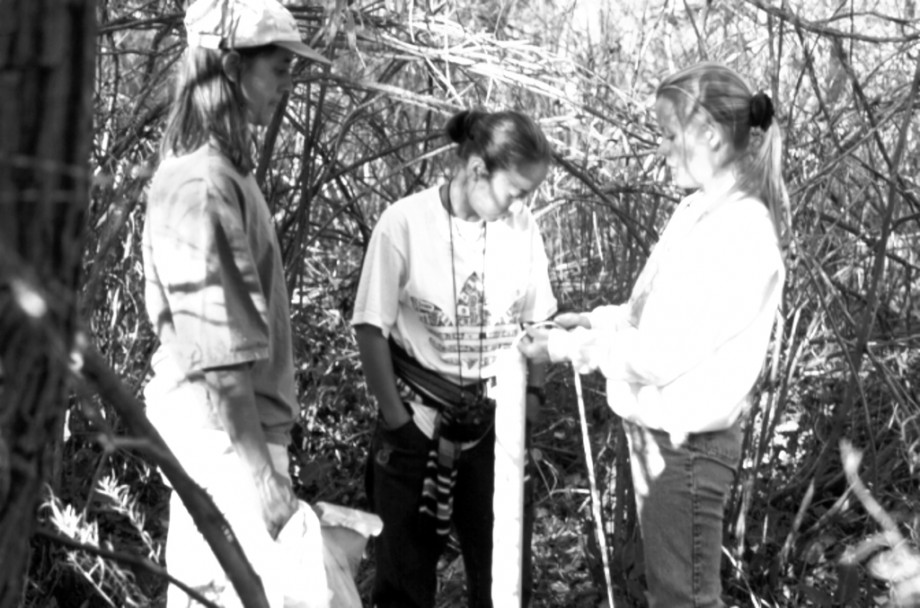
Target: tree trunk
(46,83)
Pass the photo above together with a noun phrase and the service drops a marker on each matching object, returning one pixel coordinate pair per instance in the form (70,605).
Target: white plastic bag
(345,532)
(302,561)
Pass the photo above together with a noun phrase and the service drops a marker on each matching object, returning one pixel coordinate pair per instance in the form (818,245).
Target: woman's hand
(232,388)
(276,499)
(535,346)
(571,320)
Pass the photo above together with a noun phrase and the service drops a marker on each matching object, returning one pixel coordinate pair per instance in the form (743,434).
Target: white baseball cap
(237,24)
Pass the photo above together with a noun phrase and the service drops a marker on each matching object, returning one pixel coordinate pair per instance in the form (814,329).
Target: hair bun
(761,110)
(461,126)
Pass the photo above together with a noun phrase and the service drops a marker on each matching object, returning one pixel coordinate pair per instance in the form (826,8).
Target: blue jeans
(680,497)
(408,548)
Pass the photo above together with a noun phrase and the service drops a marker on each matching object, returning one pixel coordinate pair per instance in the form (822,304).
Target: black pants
(408,549)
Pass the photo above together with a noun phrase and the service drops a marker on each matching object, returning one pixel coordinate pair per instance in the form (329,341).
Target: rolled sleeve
(383,276)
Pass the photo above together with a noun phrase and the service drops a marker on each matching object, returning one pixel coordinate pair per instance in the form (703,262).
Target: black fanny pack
(467,414)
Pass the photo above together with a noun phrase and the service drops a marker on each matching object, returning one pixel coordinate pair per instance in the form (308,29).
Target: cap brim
(303,50)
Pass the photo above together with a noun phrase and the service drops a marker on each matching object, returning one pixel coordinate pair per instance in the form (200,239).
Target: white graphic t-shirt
(413,269)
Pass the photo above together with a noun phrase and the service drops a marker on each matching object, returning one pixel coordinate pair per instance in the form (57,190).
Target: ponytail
(748,121)
(208,107)
(762,175)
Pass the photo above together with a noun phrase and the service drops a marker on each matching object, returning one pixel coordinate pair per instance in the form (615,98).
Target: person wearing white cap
(222,393)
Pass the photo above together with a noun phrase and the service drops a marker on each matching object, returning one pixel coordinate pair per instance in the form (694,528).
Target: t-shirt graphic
(477,330)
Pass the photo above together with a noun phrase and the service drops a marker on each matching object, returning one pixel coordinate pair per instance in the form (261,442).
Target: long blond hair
(720,94)
(208,107)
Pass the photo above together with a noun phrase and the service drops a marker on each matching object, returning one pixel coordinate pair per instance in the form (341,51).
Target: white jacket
(683,354)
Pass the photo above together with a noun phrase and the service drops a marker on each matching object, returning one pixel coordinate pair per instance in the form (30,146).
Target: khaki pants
(213,464)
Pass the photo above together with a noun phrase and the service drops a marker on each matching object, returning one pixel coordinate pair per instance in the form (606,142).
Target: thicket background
(358,136)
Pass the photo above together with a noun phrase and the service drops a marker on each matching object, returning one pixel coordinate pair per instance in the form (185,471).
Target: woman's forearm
(374,351)
(232,390)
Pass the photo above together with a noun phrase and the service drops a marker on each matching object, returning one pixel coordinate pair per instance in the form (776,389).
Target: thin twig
(823,30)
(125,558)
(878,269)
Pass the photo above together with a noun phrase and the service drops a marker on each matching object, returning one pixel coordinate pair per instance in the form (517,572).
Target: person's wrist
(396,417)
(538,393)
(261,473)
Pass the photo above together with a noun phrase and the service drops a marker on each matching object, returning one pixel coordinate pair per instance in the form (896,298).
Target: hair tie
(761,110)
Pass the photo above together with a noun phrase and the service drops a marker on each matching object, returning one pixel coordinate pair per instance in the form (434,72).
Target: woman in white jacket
(681,356)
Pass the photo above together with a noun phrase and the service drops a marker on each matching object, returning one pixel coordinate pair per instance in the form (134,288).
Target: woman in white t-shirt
(449,275)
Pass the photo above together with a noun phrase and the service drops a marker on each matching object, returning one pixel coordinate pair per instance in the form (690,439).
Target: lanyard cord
(453,280)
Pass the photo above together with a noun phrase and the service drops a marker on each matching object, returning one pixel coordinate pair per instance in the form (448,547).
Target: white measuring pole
(508,496)
(595,497)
